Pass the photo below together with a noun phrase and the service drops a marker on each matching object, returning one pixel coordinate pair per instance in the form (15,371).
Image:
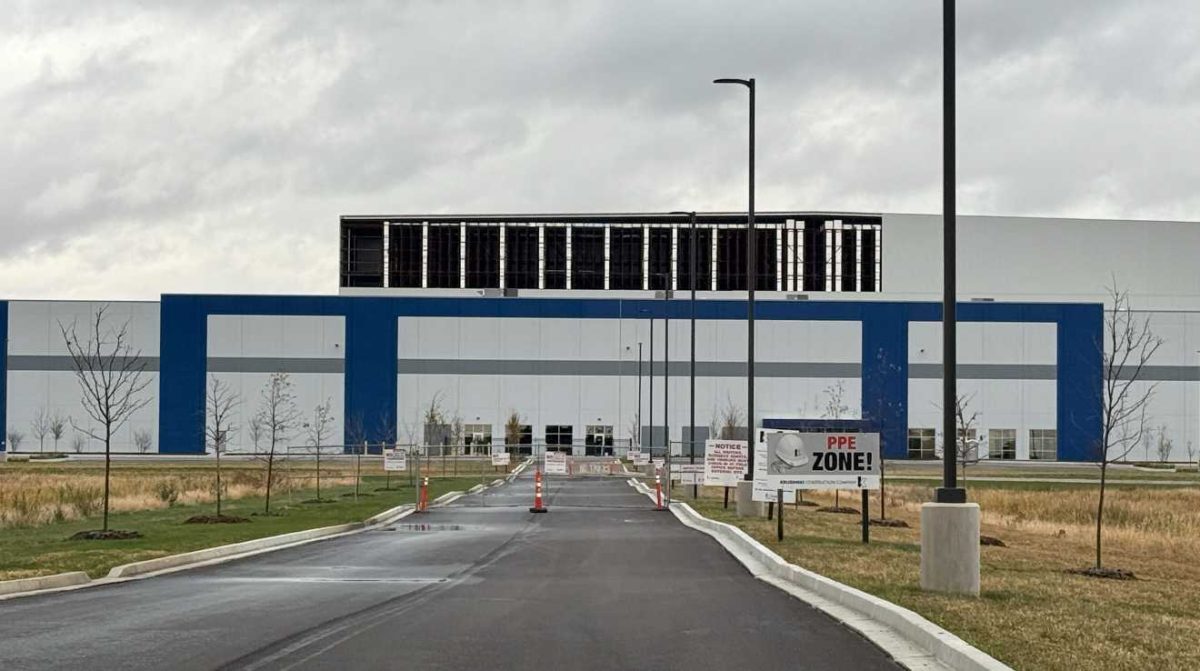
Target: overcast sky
(192,149)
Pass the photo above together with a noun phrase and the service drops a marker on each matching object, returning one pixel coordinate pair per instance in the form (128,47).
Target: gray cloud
(184,148)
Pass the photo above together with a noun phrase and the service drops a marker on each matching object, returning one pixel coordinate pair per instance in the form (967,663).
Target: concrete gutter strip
(498,481)
(45,582)
(912,640)
(476,489)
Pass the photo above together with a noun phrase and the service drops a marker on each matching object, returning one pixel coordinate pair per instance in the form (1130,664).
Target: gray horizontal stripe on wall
(1165,373)
(986,371)
(234,364)
(619,368)
(62,362)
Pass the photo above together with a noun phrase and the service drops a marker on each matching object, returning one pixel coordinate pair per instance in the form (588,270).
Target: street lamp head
(683,213)
(748,83)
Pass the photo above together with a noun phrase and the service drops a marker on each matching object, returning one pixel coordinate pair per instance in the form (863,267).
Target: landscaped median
(1031,613)
(45,550)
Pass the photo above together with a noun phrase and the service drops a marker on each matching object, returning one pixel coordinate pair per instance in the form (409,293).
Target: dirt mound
(839,509)
(896,524)
(1103,572)
(215,519)
(992,540)
(110,535)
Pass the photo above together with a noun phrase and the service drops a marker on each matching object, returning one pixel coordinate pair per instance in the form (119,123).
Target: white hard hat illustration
(790,450)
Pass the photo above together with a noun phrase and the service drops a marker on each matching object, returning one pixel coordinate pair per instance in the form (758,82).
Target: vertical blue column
(885,375)
(370,379)
(182,361)
(1080,384)
(4,377)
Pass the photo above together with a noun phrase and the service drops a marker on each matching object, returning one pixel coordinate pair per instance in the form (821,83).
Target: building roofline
(600,217)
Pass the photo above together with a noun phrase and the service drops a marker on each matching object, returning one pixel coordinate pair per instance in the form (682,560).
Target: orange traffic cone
(658,490)
(423,499)
(537,493)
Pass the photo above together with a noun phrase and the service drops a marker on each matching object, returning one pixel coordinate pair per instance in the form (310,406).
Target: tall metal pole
(667,385)
(949,492)
(652,387)
(751,279)
(638,437)
(692,244)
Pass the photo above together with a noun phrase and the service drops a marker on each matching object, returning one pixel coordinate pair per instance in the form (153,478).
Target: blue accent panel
(4,377)
(370,382)
(1080,381)
(371,350)
(183,346)
(885,376)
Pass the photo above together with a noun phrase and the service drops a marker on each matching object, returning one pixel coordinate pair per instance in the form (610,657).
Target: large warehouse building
(556,318)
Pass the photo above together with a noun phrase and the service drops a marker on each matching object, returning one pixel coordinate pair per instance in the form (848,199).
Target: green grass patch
(45,550)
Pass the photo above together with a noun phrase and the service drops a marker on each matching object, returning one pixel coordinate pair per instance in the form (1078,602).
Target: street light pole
(949,492)
(751,279)
(638,437)
(692,362)
(667,384)
(651,420)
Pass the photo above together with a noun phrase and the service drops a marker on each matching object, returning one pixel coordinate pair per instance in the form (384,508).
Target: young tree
(1191,452)
(1164,445)
(254,428)
(78,442)
(57,426)
(40,427)
(512,429)
(221,405)
(111,377)
(278,416)
(966,444)
(836,408)
(318,430)
(1127,346)
(15,439)
(732,419)
(635,429)
(437,432)
(143,441)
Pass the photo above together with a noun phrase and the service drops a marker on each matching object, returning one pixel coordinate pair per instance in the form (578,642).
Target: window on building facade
(404,255)
(1002,443)
(849,260)
(731,259)
(443,256)
(483,257)
(868,260)
(558,437)
(766,265)
(587,257)
(814,256)
(625,258)
(683,271)
(660,258)
(556,257)
(599,440)
(524,440)
(1043,444)
(362,255)
(521,257)
(922,443)
(477,438)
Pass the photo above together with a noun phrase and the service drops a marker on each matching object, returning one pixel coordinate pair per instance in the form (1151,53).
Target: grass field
(1031,614)
(42,505)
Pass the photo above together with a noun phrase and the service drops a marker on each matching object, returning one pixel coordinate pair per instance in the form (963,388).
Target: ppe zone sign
(796,460)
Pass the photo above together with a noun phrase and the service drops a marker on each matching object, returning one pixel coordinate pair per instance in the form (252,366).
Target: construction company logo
(793,460)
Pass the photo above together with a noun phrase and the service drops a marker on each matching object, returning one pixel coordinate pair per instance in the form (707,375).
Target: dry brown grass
(33,496)
(1031,614)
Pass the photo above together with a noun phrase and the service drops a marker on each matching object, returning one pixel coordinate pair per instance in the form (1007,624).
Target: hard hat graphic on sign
(790,450)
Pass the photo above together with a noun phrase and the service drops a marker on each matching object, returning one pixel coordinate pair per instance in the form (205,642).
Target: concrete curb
(45,582)
(198,558)
(912,640)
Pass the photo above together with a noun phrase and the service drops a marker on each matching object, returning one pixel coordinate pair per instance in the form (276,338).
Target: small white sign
(500,459)
(556,463)
(724,462)
(688,474)
(639,458)
(395,460)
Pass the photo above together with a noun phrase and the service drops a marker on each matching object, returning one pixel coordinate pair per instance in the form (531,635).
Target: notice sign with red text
(725,462)
(796,460)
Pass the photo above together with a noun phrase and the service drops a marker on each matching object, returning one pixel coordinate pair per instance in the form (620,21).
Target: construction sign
(792,460)
(395,460)
(556,463)
(724,462)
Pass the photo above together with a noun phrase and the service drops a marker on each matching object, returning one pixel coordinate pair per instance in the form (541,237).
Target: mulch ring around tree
(319,501)
(839,509)
(807,504)
(897,524)
(110,535)
(1103,572)
(350,495)
(216,519)
(993,541)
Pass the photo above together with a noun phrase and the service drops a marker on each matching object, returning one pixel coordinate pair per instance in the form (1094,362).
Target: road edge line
(912,640)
